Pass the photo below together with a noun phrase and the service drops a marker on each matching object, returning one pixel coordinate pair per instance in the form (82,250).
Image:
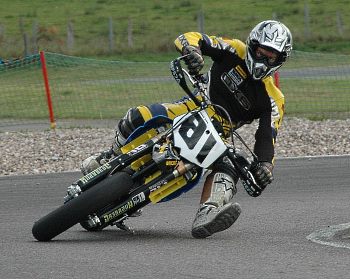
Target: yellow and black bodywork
(161,191)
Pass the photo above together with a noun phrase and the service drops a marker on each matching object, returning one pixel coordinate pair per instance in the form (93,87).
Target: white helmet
(270,35)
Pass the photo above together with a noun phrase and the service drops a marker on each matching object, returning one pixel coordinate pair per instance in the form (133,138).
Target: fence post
(2,32)
(70,36)
(130,38)
(200,19)
(340,24)
(35,37)
(25,37)
(47,90)
(307,21)
(111,35)
(274,16)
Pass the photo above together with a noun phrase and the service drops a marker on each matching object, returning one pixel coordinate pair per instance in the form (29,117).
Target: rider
(240,80)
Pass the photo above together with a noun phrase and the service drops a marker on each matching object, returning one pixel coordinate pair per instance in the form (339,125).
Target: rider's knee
(133,119)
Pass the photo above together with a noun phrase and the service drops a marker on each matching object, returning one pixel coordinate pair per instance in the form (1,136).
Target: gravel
(61,150)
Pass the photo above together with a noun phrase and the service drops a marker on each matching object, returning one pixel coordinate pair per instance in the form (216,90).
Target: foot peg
(123,227)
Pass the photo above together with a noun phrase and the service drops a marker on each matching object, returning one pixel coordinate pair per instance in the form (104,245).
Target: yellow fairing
(136,142)
(167,189)
(153,176)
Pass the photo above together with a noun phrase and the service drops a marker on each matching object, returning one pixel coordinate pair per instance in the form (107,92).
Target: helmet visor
(265,55)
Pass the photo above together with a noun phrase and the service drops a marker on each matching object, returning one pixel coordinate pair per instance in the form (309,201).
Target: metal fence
(83,91)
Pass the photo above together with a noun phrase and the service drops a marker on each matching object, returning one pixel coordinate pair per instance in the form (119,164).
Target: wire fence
(316,86)
(93,28)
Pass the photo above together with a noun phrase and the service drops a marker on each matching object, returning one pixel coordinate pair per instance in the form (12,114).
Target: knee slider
(132,120)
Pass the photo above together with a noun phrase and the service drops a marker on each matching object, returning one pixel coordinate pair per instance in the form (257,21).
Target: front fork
(140,197)
(116,164)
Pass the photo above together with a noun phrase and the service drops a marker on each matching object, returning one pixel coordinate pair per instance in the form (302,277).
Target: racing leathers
(232,87)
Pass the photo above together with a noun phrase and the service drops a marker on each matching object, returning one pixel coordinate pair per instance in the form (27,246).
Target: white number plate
(197,139)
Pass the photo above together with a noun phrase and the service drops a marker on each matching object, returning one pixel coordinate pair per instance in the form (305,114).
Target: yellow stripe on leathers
(277,97)
(145,112)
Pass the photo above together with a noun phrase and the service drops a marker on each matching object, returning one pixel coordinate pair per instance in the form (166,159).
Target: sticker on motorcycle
(198,140)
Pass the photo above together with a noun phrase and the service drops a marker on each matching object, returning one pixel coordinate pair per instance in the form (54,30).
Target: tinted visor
(272,59)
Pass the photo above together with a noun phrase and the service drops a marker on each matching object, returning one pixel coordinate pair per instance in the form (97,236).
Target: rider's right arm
(210,45)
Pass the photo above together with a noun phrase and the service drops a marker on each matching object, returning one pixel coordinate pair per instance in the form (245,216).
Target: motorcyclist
(240,81)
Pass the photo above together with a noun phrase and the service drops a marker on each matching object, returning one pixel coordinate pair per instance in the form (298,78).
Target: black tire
(66,216)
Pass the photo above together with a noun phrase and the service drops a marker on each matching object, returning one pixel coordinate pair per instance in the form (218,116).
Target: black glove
(262,172)
(194,60)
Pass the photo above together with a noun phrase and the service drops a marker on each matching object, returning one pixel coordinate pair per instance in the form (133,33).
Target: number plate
(197,139)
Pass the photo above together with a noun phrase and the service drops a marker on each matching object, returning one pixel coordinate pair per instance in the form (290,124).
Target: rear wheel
(102,194)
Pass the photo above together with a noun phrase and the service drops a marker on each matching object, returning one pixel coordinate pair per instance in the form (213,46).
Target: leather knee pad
(132,119)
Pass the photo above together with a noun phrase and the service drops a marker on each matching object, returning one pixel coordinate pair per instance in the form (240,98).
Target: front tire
(66,216)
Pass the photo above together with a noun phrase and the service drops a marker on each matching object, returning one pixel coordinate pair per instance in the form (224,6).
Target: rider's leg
(217,212)
(134,118)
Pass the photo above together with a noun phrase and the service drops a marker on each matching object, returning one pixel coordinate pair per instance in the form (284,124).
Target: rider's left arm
(211,46)
(269,123)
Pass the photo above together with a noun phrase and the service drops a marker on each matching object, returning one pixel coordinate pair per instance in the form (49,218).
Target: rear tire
(66,216)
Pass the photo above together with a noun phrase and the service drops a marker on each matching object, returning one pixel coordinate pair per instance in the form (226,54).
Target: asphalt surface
(269,240)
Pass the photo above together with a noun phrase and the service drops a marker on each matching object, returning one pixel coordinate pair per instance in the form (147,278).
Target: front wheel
(66,216)
(85,225)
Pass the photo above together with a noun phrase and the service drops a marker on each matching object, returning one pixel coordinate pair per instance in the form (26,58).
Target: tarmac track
(271,239)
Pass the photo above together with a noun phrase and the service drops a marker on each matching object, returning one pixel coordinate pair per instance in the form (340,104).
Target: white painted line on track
(327,236)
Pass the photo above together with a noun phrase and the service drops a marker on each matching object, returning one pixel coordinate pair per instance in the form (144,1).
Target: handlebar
(179,75)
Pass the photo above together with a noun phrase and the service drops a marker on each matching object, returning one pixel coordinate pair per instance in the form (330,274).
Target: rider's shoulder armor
(235,45)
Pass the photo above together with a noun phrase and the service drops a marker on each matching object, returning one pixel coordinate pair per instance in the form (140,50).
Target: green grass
(87,88)
(317,99)
(157,23)
(98,89)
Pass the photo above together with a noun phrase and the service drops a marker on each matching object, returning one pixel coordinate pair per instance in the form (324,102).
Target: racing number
(191,131)
(209,144)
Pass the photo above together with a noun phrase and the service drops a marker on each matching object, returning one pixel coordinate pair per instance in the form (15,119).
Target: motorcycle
(162,159)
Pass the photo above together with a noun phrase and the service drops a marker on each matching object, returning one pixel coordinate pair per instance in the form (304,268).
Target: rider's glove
(194,60)
(262,172)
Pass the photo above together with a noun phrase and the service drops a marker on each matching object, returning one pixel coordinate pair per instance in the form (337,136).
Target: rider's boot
(93,162)
(132,119)
(217,212)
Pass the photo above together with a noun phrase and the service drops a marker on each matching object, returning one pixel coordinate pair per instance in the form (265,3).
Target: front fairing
(197,139)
